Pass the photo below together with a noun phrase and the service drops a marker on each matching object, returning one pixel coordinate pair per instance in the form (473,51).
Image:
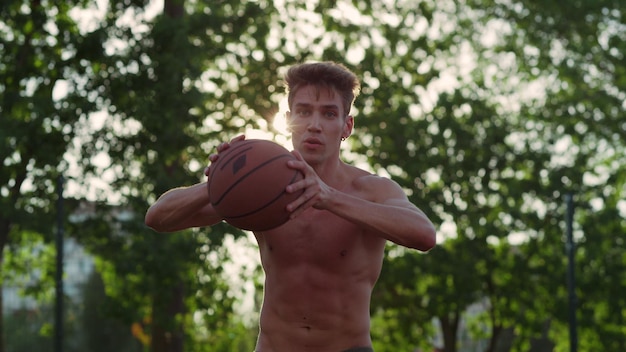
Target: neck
(330,171)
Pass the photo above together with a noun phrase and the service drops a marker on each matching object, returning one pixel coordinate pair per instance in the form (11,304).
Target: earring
(343,138)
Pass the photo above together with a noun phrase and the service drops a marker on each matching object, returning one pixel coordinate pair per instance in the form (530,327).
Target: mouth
(312,141)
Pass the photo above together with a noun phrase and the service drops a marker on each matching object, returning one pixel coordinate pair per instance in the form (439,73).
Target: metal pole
(58,311)
(571,287)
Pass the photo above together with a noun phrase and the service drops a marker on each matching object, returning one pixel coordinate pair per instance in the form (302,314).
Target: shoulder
(377,188)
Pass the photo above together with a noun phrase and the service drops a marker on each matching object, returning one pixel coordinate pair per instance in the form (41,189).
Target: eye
(331,114)
(303,112)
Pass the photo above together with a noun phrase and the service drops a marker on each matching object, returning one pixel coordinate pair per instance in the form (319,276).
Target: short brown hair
(324,74)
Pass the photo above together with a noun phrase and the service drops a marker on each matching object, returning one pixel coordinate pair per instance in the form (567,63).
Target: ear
(348,126)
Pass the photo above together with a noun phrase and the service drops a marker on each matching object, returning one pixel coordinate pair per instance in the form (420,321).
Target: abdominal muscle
(317,287)
(305,315)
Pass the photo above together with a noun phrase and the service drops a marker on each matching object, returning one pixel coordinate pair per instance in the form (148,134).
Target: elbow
(429,243)
(427,239)
(152,220)
(149,220)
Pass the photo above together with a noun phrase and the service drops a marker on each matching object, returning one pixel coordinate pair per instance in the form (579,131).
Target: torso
(320,271)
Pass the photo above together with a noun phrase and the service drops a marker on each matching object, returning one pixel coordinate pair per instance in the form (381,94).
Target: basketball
(247,184)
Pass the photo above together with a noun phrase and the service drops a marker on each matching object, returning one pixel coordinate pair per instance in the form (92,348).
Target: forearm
(404,224)
(182,208)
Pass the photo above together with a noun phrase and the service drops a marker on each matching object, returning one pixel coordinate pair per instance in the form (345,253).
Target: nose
(313,123)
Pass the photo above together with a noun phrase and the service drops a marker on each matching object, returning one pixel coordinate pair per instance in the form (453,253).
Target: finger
(297,210)
(296,203)
(296,186)
(298,164)
(212,159)
(225,145)
(238,138)
(297,155)
(306,196)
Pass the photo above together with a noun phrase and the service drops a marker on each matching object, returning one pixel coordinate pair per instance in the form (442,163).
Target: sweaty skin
(322,265)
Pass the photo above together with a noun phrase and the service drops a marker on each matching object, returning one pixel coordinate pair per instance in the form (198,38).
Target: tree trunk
(174,8)
(167,327)
(1,304)
(495,333)
(4,239)
(449,329)
(169,306)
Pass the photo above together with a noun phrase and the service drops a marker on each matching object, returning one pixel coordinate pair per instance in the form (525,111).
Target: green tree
(30,329)
(487,113)
(99,330)
(41,47)
(579,45)
(497,166)
(25,328)
(479,151)
(170,98)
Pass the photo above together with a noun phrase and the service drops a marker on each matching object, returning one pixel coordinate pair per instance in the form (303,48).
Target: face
(317,123)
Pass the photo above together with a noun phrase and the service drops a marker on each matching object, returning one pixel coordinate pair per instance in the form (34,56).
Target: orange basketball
(247,184)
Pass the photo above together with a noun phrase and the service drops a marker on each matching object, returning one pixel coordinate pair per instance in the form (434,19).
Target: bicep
(388,192)
(400,200)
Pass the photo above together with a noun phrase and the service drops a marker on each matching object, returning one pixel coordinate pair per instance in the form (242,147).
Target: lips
(312,141)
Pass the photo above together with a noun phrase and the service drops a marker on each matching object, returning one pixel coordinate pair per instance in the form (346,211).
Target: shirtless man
(320,266)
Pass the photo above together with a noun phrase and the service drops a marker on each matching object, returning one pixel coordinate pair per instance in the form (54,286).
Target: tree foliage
(486,112)
(497,166)
(40,47)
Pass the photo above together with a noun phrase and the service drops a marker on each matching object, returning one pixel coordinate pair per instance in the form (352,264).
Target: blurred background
(503,120)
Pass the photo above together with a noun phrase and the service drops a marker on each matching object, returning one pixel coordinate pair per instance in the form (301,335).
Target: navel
(305,327)
(343,253)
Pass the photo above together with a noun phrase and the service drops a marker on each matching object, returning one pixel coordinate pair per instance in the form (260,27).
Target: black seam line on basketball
(221,164)
(295,176)
(234,155)
(248,174)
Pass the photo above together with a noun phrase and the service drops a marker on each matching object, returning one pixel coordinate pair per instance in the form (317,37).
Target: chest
(319,238)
